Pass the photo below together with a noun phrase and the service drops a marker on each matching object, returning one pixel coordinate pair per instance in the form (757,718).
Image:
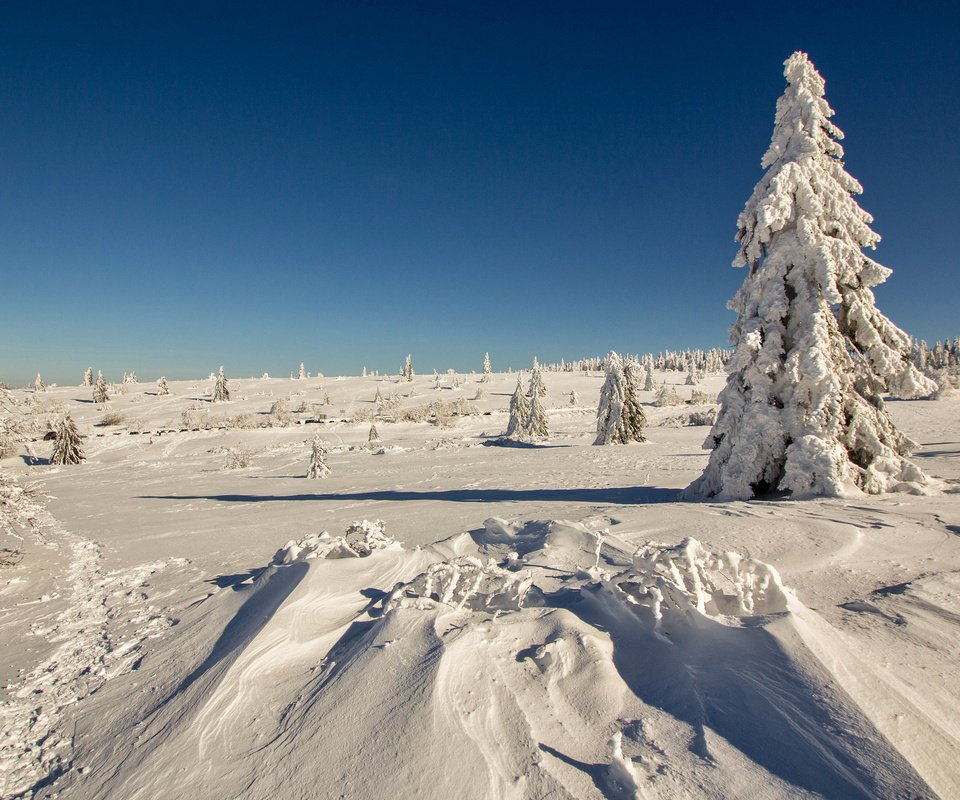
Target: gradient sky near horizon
(184,185)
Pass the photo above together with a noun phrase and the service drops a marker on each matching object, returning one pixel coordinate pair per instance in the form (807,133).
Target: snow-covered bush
(667,396)
(238,458)
(110,419)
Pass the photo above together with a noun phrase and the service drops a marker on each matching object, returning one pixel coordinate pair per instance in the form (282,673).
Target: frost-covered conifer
(220,391)
(373,436)
(486,368)
(574,398)
(537,420)
(100,389)
(408,369)
(536,381)
(67,446)
(303,373)
(802,409)
(648,384)
(318,459)
(620,418)
(378,398)
(38,384)
(162,388)
(87,377)
(519,412)
(363,373)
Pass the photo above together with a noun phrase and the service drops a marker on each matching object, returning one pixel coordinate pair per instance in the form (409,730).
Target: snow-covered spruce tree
(620,418)
(632,420)
(303,373)
(318,459)
(408,369)
(537,420)
(87,377)
(373,437)
(648,384)
(162,389)
(574,398)
(802,410)
(38,384)
(486,368)
(536,381)
(519,412)
(67,446)
(100,390)
(220,391)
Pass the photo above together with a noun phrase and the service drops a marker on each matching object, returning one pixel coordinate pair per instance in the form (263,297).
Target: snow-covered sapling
(220,391)
(87,377)
(537,420)
(486,368)
(318,459)
(162,389)
(67,444)
(100,395)
(38,384)
(519,412)
(537,386)
(303,373)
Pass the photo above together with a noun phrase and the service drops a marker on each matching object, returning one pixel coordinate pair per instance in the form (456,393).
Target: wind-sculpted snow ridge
(534,659)
(98,634)
(467,582)
(361,539)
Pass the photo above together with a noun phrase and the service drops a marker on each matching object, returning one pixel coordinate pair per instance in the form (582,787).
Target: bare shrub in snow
(238,458)
(113,418)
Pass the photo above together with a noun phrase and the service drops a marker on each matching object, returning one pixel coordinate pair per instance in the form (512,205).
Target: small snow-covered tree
(303,373)
(537,420)
(373,437)
(408,369)
(519,412)
(648,384)
(620,418)
(100,390)
(486,368)
(220,391)
(536,381)
(378,397)
(318,459)
(574,398)
(68,443)
(632,420)
(87,377)
(162,389)
(802,409)
(38,384)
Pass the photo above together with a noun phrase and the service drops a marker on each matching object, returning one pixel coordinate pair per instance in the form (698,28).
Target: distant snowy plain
(529,621)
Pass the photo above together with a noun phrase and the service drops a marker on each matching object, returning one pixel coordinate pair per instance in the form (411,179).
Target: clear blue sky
(189,184)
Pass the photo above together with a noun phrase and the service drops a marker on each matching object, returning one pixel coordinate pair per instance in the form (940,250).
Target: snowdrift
(518,660)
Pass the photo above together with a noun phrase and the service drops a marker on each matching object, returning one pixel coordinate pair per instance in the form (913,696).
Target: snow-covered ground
(529,621)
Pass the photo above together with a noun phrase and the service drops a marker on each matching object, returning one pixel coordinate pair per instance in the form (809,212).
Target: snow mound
(359,541)
(675,581)
(467,582)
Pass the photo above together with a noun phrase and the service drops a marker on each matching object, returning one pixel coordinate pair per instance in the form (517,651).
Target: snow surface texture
(539,657)
(596,637)
(802,410)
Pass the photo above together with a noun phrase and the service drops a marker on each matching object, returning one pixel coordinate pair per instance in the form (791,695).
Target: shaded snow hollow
(518,660)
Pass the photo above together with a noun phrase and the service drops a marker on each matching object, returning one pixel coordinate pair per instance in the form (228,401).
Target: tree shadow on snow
(635,495)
